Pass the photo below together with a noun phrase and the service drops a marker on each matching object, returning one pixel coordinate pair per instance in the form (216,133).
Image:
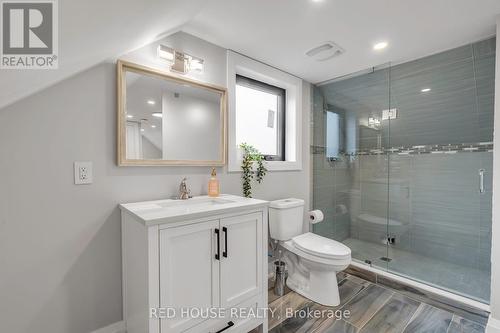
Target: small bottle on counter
(213,185)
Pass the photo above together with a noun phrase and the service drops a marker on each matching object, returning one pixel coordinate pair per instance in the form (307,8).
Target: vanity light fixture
(380,46)
(180,62)
(157,114)
(196,64)
(166,53)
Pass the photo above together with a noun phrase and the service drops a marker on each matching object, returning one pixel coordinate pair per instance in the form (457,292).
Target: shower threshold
(439,297)
(463,282)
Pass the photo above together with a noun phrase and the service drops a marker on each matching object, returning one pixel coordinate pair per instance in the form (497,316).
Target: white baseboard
(493,325)
(118,327)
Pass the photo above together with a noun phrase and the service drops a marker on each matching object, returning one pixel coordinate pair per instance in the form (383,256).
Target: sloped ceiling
(92,31)
(280,32)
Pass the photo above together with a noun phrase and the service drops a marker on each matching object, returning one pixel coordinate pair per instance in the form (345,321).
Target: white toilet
(313,261)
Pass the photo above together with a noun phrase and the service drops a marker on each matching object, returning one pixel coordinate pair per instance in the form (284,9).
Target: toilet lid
(321,246)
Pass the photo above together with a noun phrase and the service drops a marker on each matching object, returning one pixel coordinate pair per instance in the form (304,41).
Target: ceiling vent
(325,51)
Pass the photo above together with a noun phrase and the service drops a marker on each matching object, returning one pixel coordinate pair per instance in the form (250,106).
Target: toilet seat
(320,246)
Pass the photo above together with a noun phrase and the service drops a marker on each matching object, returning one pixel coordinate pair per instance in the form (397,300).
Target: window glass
(260,115)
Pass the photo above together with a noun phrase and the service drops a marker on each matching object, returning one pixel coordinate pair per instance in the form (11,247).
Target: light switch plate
(83,173)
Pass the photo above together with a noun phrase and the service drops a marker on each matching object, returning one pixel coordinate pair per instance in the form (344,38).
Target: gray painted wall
(149,150)
(60,244)
(190,121)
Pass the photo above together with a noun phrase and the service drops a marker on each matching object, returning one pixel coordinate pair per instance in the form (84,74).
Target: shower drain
(386,259)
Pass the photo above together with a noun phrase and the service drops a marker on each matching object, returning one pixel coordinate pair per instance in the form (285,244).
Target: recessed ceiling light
(153,126)
(157,114)
(425,90)
(129,116)
(380,46)
(151,102)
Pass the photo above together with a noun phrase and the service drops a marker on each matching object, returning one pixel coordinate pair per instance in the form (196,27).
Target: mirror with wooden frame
(168,120)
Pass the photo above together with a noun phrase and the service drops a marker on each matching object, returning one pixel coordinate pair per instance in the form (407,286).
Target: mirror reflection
(172,120)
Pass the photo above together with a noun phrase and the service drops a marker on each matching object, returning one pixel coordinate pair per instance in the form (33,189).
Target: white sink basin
(161,211)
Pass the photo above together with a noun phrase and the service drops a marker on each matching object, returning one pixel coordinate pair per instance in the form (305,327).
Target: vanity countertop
(170,210)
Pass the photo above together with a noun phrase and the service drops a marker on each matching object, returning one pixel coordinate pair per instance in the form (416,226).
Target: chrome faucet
(184,193)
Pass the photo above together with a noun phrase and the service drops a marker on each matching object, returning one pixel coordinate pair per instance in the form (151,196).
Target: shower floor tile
(463,280)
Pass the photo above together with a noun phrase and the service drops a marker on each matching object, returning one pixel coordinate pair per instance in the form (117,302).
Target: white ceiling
(91,31)
(279,32)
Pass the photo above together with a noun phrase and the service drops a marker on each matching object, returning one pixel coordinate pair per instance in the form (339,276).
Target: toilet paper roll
(316,216)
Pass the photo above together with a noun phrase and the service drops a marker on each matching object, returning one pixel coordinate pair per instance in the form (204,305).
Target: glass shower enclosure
(402,166)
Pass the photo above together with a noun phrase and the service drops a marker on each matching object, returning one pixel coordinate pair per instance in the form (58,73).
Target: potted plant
(250,156)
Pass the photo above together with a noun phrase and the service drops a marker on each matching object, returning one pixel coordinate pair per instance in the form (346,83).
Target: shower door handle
(481,180)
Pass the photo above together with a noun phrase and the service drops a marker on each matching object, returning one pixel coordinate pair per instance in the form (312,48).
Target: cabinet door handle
(217,255)
(229,324)
(224,254)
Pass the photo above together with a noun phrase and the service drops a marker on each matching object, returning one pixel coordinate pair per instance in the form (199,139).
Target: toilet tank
(286,218)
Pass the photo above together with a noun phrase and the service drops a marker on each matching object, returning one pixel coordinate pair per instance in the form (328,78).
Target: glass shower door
(484,69)
(402,161)
(440,170)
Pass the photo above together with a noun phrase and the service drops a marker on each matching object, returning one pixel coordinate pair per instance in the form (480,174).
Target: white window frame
(241,65)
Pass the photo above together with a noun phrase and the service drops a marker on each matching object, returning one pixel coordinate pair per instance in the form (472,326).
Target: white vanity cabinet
(198,265)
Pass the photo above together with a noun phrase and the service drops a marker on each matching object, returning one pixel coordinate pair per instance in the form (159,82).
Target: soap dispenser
(213,185)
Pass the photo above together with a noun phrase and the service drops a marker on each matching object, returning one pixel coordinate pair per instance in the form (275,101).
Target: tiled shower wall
(430,200)
(434,207)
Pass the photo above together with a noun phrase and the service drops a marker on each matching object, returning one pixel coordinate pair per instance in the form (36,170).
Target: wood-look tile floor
(372,309)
